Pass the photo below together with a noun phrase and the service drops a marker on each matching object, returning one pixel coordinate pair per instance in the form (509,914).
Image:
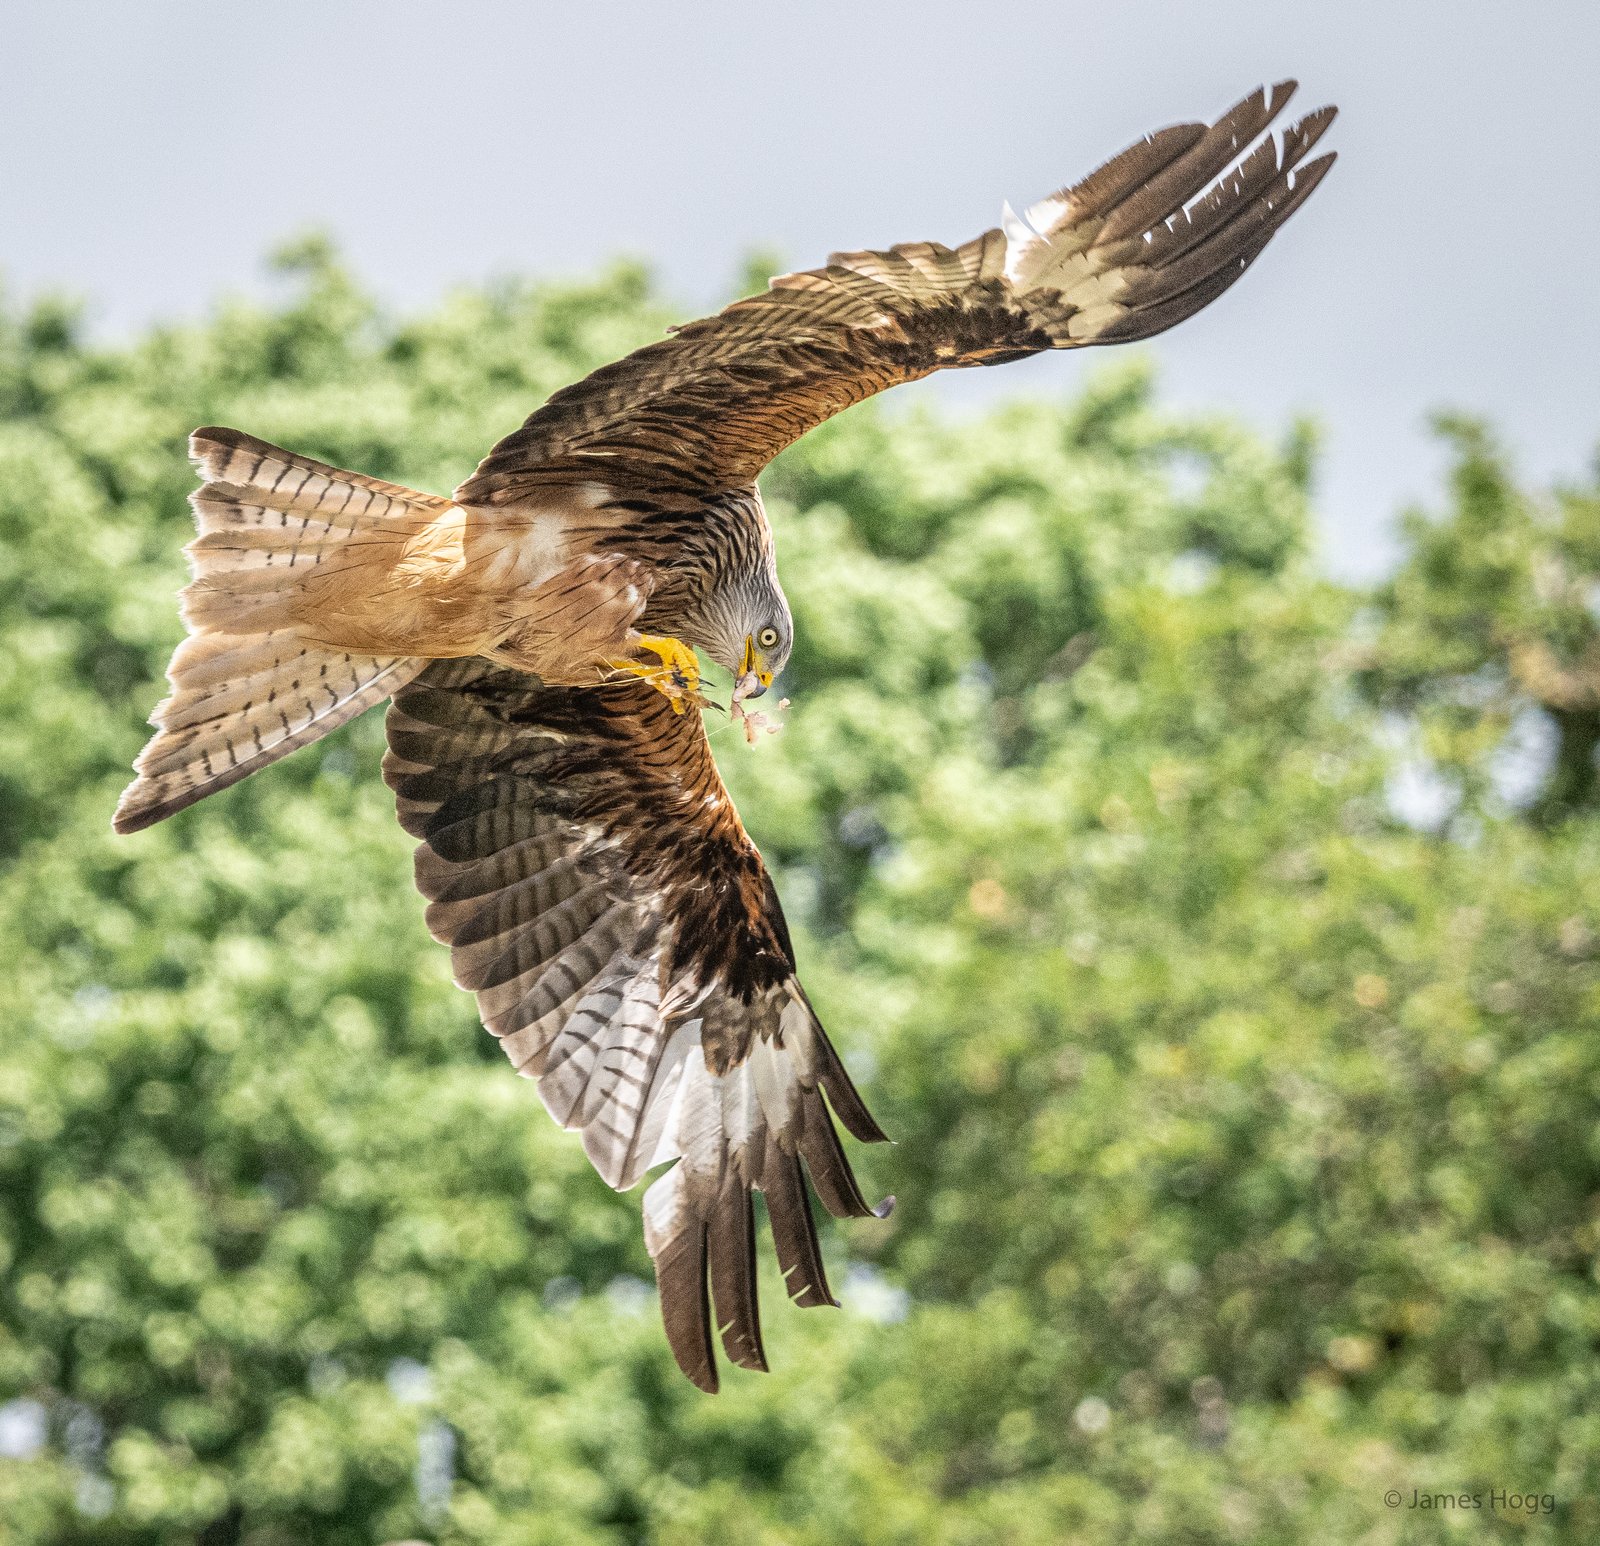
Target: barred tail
(248,685)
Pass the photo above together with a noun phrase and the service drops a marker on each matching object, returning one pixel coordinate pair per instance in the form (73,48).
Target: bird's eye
(767,638)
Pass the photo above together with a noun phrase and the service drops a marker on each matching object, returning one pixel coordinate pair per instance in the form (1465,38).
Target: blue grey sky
(153,152)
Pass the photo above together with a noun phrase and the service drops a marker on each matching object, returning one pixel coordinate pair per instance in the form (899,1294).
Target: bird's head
(749,632)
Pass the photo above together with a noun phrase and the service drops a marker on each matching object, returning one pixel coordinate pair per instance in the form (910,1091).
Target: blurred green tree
(1247,1144)
(1492,627)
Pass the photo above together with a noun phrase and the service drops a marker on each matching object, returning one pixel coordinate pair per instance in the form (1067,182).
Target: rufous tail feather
(252,683)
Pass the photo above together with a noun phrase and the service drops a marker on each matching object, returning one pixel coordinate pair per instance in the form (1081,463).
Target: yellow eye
(767,638)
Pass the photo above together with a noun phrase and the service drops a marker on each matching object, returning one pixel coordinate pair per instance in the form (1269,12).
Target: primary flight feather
(536,634)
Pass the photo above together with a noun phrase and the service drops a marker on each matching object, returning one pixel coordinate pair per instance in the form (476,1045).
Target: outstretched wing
(600,896)
(1154,235)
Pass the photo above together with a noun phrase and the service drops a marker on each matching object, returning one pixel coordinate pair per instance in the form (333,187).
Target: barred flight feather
(567,852)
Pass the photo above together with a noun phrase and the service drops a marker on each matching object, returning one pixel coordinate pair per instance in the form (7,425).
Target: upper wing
(587,868)
(1131,250)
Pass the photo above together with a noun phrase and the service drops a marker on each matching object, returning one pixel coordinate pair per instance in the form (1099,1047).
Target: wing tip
(752,1358)
(807,1293)
(1315,169)
(685,1295)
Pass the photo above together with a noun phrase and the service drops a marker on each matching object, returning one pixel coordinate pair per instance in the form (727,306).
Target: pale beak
(753,670)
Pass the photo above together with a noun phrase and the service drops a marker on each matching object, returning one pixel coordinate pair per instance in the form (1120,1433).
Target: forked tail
(248,686)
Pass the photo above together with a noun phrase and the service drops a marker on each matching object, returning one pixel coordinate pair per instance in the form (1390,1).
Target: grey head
(746,627)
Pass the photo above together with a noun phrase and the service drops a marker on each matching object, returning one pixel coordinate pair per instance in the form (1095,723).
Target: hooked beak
(753,670)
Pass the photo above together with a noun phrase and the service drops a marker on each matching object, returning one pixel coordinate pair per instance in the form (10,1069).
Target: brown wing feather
(585,864)
(1134,248)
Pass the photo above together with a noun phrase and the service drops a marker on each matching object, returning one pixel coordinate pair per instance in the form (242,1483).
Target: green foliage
(1246,1147)
(1494,621)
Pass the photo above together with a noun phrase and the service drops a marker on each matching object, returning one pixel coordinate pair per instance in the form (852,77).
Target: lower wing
(600,896)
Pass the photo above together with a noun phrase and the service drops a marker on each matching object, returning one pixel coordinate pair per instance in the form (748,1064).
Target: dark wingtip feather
(1312,172)
(842,1093)
(1160,196)
(733,1276)
(794,1231)
(1201,257)
(686,1308)
(830,1169)
(1315,123)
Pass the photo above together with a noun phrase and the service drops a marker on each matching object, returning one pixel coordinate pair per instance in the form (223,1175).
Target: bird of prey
(536,633)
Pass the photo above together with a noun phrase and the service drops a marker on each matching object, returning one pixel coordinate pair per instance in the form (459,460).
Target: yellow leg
(677,678)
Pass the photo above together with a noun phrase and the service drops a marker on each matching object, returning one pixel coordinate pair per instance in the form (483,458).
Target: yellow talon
(677,678)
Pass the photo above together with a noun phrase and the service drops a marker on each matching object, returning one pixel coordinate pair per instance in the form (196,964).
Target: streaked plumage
(579,853)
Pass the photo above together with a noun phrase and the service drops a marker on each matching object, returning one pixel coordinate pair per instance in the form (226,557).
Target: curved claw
(677,678)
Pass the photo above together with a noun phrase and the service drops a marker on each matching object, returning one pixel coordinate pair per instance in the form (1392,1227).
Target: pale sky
(151,153)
